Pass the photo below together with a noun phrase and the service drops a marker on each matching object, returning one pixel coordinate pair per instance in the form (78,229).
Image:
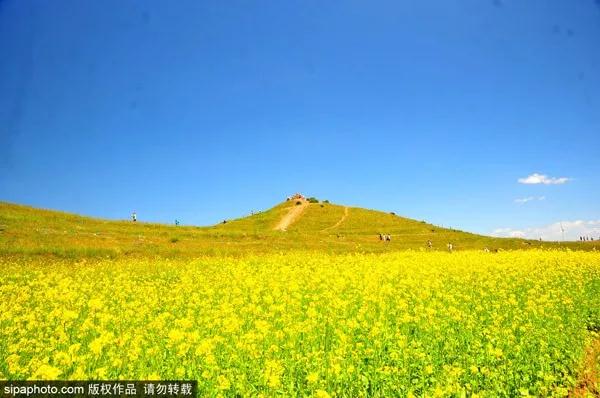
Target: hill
(316,226)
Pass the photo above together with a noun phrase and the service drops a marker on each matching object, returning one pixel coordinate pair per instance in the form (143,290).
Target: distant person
(429,244)
(176,222)
(450,247)
(133,217)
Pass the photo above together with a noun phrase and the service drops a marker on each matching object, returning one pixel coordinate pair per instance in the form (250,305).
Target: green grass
(30,231)
(316,218)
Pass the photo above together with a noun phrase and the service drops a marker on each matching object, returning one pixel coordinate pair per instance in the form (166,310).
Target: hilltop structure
(296,196)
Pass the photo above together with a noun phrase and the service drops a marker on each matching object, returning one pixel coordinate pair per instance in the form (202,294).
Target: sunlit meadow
(303,324)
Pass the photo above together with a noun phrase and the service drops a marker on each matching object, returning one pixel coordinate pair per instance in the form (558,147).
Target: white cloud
(536,178)
(573,230)
(524,200)
(529,199)
(508,233)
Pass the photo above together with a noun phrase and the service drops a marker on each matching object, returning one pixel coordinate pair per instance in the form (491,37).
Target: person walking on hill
(450,247)
(385,237)
(429,244)
(133,217)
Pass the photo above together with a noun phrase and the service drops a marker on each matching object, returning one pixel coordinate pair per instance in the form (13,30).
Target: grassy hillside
(324,227)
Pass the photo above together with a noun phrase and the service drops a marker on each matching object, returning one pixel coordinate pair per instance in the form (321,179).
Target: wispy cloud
(536,178)
(508,233)
(573,230)
(529,199)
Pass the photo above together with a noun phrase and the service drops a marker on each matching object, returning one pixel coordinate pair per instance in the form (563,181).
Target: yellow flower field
(303,324)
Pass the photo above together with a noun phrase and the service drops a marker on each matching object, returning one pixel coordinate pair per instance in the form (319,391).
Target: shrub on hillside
(312,199)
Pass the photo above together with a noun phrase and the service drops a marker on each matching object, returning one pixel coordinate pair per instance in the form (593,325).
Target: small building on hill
(296,196)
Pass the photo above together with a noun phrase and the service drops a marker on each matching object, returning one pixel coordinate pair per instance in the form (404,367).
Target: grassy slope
(26,230)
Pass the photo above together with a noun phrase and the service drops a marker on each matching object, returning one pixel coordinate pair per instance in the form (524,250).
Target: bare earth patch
(589,380)
(292,215)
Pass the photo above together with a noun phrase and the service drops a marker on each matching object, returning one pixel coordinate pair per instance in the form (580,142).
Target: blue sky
(207,110)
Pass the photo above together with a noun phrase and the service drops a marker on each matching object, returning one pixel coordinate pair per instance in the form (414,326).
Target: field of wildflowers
(407,324)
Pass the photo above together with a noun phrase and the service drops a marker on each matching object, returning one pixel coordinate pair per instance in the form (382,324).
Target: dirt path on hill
(340,221)
(589,381)
(292,215)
